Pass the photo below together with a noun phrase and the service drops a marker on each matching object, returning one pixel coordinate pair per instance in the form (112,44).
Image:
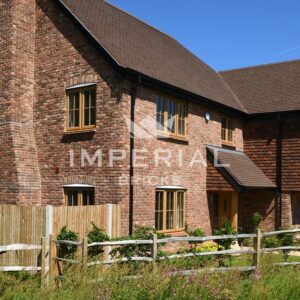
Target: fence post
(43,262)
(84,252)
(257,248)
(154,248)
(52,262)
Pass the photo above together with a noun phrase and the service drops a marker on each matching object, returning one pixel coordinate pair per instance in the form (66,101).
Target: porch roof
(239,168)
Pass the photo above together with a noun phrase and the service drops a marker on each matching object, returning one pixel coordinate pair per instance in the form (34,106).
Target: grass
(270,283)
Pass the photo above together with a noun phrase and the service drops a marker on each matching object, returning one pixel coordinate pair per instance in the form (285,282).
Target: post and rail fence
(49,259)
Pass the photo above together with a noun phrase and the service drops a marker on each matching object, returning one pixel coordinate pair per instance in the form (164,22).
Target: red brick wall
(65,57)
(261,202)
(19,176)
(193,178)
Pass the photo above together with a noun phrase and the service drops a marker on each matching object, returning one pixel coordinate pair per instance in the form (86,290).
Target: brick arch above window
(81,79)
(79,179)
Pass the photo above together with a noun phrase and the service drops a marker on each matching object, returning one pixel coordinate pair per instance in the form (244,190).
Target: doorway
(224,206)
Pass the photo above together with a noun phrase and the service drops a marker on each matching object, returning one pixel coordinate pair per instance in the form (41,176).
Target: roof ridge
(260,65)
(225,149)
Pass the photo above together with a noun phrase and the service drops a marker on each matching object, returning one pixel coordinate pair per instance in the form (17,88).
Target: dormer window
(81,108)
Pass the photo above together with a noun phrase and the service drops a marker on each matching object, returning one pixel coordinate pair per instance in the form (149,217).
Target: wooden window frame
(80,195)
(81,126)
(229,127)
(165,191)
(166,132)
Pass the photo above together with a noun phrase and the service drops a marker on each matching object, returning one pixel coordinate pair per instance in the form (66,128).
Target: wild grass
(158,283)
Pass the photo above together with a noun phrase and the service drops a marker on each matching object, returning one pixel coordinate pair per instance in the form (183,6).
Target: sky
(226,34)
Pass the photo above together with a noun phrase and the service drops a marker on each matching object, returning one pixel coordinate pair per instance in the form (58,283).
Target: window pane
(171,115)
(223,132)
(88,198)
(160,114)
(159,210)
(181,118)
(89,107)
(180,210)
(87,117)
(93,98)
(75,198)
(93,116)
(76,118)
(170,211)
(70,199)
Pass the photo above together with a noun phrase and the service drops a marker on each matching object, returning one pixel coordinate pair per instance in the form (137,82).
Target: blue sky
(226,34)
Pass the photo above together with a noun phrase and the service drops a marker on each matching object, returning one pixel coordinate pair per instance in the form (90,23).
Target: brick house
(82,85)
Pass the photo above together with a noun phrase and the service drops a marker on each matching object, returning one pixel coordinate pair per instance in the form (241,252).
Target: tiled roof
(267,88)
(241,168)
(137,46)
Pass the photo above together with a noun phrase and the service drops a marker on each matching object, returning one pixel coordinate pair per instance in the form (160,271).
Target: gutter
(131,153)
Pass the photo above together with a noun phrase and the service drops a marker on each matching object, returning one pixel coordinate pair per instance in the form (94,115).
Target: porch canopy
(238,169)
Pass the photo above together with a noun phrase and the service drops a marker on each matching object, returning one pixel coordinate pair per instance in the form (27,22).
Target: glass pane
(69,199)
(180,210)
(170,211)
(171,115)
(159,204)
(160,113)
(76,118)
(75,198)
(159,220)
(86,117)
(71,119)
(93,116)
(71,101)
(87,99)
(93,98)
(75,100)
(88,198)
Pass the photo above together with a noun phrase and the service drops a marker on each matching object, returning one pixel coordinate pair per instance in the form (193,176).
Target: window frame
(175,205)
(80,195)
(81,91)
(165,130)
(229,128)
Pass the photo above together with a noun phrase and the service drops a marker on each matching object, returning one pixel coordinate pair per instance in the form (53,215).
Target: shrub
(96,235)
(64,250)
(226,229)
(225,244)
(198,232)
(256,219)
(140,233)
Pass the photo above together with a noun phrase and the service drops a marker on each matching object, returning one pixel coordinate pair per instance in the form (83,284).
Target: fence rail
(49,258)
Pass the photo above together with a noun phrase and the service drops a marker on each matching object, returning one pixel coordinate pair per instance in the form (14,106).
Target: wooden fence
(26,225)
(50,261)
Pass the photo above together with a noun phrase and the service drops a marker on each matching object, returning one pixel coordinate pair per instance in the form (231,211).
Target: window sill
(177,232)
(167,136)
(79,131)
(228,144)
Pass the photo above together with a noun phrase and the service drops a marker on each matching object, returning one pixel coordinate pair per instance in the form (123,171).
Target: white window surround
(170,187)
(78,185)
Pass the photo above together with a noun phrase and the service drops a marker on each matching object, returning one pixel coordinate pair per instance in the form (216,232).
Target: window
(171,116)
(79,197)
(169,210)
(81,109)
(227,130)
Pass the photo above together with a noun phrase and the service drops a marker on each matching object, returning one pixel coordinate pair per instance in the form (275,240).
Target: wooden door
(228,208)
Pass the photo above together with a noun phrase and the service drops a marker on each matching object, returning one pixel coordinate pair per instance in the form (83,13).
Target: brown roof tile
(241,168)
(267,88)
(137,46)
